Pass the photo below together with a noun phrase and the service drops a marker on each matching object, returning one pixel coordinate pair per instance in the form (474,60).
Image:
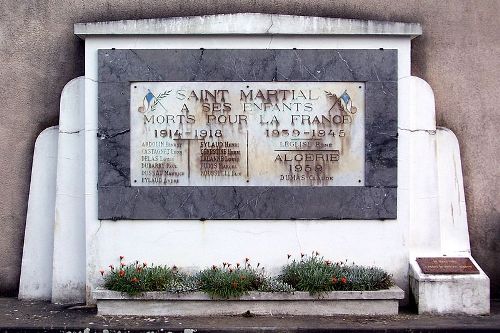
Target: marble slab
(372,198)
(247,134)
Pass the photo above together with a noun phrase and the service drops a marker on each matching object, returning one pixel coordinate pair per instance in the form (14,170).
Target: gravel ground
(30,316)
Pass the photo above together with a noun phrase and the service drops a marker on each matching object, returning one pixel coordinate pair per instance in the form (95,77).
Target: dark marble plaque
(447,265)
(377,69)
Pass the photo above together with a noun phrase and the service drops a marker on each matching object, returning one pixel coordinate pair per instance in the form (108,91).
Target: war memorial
(277,134)
(208,144)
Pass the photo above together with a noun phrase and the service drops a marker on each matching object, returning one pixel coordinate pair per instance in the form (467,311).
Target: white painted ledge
(382,302)
(248,23)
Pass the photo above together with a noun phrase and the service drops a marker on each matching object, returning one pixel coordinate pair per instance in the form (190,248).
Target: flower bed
(307,286)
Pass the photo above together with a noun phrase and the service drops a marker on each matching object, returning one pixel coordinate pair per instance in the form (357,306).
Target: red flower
(343,280)
(122,264)
(328,262)
(111,267)
(121,257)
(234,284)
(334,280)
(101,271)
(135,280)
(144,264)
(138,269)
(121,273)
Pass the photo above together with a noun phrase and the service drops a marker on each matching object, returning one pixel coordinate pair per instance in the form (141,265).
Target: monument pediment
(248,23)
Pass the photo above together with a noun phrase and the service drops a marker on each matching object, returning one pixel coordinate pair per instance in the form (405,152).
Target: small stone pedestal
(450,293)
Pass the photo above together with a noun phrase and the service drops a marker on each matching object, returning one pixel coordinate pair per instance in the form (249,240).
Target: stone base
(450,294)
(383,302)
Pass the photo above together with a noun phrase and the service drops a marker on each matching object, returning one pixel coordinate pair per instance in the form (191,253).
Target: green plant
(136,278)
(315,275)
(226,281)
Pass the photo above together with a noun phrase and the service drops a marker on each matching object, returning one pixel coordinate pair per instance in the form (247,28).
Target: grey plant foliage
(183,284)
(274,285)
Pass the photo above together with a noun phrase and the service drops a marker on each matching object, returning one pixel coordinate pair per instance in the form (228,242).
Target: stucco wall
(457,55)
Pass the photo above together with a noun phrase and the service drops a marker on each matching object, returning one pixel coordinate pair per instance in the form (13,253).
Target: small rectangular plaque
(247,134)
(447,265)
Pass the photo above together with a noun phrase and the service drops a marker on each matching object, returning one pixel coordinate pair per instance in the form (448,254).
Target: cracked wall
(457,54)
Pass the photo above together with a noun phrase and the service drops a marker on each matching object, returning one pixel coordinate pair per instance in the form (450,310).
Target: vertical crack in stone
(270,41)
(382,83)
(199,68)
(272,23)
(346,63)
(98,228)
(297,236)
(236,202)
(267,31)
(304,67)
(275,74)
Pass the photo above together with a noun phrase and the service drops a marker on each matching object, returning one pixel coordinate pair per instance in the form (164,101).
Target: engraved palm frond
(157,100)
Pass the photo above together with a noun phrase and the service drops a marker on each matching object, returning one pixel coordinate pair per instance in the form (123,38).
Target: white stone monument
(389,231)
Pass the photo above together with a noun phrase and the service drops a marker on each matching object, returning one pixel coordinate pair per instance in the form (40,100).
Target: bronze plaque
(447,265)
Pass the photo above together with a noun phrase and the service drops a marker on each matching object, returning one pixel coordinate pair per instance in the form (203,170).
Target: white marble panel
(247,134)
